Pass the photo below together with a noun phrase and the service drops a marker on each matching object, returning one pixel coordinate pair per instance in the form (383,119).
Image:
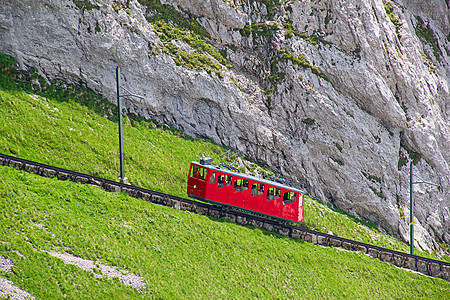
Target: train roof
(251,177)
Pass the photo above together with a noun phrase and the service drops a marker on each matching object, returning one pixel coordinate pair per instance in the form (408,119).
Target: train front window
(194,171)
(202,173)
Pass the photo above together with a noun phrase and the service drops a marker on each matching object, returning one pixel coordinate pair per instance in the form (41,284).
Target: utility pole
(411,205)
(119,113)
(411,210)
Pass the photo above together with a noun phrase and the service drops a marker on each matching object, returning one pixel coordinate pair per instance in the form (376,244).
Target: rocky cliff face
(338,96)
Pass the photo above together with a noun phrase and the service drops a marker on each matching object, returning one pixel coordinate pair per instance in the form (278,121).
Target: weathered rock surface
(337,96)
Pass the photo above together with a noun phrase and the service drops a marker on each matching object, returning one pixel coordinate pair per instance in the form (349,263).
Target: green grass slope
(73,128)
(179,254)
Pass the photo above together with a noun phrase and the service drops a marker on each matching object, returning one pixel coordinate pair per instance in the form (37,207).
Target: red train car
(216,184)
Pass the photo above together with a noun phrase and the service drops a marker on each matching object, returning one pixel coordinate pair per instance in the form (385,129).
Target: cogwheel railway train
(216,184)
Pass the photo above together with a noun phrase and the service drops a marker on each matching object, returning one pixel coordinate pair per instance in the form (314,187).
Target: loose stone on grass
(124,276)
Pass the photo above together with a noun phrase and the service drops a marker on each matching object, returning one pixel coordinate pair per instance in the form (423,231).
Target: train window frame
(221,181)
(228,180)
(261,189)
(286,198)
(203,172)
(277,193)
(254,190)
(212,179)
(270,194)
(194,171)
(244,185)
(238,185)
(294,197)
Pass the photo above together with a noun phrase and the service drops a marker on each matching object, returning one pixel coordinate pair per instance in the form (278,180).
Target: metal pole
(119,113)
(411,209)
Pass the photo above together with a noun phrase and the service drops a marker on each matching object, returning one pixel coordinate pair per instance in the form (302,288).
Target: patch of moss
(301,61)
(389,8)
(402,160)
(171,25)
(309,121)
(400,207)
(97,27)
(312,39)
(426,34)
(378,193)
(170,15)
(372,178)
(85,4)
(338,161)
(204,56)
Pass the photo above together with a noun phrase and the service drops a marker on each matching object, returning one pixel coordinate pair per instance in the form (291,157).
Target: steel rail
(424,265)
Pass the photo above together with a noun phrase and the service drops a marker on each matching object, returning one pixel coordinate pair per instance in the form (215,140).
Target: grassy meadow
(179,254)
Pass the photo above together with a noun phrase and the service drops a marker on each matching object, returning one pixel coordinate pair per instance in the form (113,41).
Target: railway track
(427,266)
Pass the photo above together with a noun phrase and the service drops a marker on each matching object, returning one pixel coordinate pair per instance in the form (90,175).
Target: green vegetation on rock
(426,34)
(174,30)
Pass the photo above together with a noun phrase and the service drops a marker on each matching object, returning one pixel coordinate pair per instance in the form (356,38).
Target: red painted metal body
(220,185)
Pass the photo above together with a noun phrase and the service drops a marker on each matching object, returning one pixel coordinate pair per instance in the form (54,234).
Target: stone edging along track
(427,266)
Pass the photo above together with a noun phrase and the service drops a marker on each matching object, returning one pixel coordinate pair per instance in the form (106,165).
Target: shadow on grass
(366,223)
(14,80)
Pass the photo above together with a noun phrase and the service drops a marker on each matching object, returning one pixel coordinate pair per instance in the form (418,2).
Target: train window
(212,179)
(289,197)
(237,185)
(221,181)
(194,171)
(277,194)
(244,185)
(293,197)
(254,190)
(202,173)
(270,194)
(286,198)
(228,180)
(261,189)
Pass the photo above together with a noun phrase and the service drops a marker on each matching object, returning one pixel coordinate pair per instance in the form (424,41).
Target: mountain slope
(339,97)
